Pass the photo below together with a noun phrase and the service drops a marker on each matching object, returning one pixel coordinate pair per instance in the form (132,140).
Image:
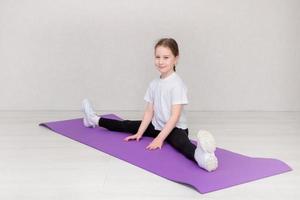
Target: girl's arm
(148,114)
(175,115)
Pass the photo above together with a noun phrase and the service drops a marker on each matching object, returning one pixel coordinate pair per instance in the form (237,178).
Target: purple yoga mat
(233,168)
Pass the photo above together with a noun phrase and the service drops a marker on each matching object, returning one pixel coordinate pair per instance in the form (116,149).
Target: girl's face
(164,60)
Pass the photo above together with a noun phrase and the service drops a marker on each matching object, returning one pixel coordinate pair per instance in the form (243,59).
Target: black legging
(178,138)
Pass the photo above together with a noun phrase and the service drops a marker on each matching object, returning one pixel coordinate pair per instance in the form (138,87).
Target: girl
(164,118)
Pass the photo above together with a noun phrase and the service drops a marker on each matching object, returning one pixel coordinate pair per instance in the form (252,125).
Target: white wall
(235,55)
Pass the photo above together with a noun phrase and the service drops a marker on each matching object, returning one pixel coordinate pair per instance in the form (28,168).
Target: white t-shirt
(163,93)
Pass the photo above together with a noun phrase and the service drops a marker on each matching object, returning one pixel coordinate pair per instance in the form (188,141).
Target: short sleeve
(179,95)
(149,95)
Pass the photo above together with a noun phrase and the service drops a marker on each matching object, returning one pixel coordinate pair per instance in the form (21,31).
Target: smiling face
(165,60)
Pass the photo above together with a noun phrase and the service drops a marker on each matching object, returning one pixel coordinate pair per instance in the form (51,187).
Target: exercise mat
(233,168)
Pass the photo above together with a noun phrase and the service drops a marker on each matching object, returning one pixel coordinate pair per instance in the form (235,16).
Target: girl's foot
(205,151)
(90,119)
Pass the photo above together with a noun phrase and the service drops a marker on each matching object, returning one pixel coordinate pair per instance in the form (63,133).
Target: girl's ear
(176,60)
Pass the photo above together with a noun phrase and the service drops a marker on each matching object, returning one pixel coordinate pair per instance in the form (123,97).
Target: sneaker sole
(207,141)
(85,106)
(211,163)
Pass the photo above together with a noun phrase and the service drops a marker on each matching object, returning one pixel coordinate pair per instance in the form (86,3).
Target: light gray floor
(36,163)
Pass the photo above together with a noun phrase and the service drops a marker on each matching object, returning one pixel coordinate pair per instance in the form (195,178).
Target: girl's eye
(166,57)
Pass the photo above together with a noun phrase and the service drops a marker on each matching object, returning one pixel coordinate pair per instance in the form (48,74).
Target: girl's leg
(178,138)
(202,154)
(128,126)
(90,119)
(119,125)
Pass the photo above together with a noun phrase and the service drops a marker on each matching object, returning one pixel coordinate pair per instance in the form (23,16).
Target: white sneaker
(205,151)
(88,113)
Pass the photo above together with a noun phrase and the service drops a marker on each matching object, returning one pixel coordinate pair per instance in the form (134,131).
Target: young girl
(164,118)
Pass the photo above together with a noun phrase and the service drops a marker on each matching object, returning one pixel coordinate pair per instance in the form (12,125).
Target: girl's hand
(136,137)
(155,144)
